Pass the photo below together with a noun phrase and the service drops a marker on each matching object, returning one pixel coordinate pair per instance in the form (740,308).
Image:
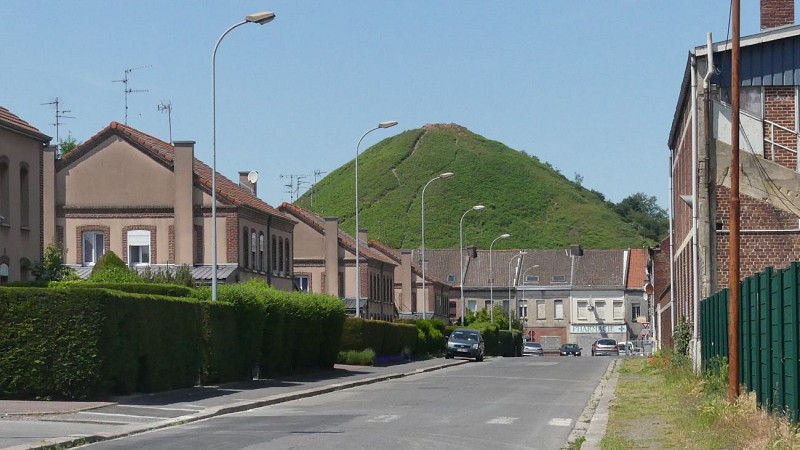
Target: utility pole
(733,273)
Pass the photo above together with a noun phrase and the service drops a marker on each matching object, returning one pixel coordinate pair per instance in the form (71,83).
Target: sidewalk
(50,425)
(26,425)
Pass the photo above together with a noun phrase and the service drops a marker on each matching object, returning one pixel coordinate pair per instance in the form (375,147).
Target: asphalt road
(513,403)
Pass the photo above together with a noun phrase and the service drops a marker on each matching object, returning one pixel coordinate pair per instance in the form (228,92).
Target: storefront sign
(596,329)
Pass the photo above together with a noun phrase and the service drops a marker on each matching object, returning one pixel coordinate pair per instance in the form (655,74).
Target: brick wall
(153,248)
(232,239)
(775,13)
(779,107)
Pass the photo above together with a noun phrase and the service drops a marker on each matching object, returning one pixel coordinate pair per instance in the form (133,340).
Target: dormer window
(559,279)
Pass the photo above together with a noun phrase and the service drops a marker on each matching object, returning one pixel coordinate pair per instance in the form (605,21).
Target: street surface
(513,403)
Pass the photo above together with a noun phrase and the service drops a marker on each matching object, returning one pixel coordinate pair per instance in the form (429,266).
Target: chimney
(244,181)
(183,161)
(575,250)
(776,13)
(407,286)
(362,236)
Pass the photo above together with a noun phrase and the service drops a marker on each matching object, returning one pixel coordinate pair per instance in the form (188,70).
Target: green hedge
(170,290)
(498,342)
(385,338)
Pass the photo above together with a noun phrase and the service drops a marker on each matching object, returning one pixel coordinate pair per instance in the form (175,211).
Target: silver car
(532,348)
(605,346)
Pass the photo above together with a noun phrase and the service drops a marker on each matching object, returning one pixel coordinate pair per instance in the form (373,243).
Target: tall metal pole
(461,254)
(424,290)
(733,276)
(511,281)
(358,229)
(491,277)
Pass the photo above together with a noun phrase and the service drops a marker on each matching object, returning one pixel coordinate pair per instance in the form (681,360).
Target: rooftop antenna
(317,174)
(60,114)
(128,90)
(289,186)
(167,106)
(300,183)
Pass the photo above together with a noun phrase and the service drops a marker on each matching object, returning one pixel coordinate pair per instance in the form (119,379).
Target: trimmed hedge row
(498,342)
(384,338)
(72,341)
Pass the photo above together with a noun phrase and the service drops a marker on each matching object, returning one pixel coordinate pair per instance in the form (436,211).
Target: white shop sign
(596,329)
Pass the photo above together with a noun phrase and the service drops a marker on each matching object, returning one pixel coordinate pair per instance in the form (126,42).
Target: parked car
(465,342)
(624,348)
(605,346)
(570,350)
(532,348)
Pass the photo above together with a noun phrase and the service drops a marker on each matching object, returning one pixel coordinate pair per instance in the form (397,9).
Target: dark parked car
(465,342)
(605,347)
(570,350)
(532,348)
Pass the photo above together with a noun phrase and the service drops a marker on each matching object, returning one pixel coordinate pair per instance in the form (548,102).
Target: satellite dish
(252,176)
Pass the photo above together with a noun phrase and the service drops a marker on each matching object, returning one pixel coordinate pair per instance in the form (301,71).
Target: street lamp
(387,124)
(443,176)
(491,275)
(511,281)
(461,253)
(260,18)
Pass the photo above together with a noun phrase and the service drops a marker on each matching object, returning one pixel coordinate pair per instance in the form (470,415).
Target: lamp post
(525,325)
(387,124)
(491,276)
(260,18)
(511,281)
(443,176)
(461,253)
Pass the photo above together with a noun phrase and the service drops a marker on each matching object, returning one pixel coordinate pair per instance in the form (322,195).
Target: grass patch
(661,403)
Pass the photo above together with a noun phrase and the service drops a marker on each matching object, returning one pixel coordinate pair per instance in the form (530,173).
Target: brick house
(150,202)
(22,156)
(700,154)
(325,262)
(561,295)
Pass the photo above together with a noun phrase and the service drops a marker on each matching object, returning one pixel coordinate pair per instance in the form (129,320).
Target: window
(24,198)
(559,279)
(245,253)
(5,189)
(451,278)
(3,273)
(93,247)
(302,282)
(261,252)
(583,312)
(532,279)
(472,305)
(280,255)
(541,313)
(750,98)
(636,311)
(287,254)
(274,265)
(600,308)
(523,309)
(253,249)
(619,311)
(198,242)
(505,305)
(341,284)
(138,248)
(559,304)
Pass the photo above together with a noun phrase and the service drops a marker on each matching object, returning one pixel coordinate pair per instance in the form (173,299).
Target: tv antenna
(167,107)
(60,114)
(128,90)
(317,174)
(291,188)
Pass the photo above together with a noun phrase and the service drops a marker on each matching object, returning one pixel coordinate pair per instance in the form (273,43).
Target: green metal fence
(769,327)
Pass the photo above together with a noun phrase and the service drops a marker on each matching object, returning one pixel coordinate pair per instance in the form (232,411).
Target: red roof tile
(637,268)
(164,152)
(10,120)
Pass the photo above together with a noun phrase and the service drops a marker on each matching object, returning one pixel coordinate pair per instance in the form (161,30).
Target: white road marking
(160,408)
(385,418)
(503,420)
(120,415)
(557,422)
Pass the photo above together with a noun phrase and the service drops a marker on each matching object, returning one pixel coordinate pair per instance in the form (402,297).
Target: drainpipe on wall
(695,299)
(671,248)
(268,243)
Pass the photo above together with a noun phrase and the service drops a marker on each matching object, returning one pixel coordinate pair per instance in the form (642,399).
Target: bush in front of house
(386,338)
(80,343)
(169,290)
(430,336)
(109,268)
(355,358)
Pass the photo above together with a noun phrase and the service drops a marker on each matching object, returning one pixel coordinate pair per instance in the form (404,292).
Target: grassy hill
(538,206)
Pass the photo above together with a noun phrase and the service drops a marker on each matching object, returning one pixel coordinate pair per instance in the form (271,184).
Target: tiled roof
(200,273)
(600,268)
(396,255)
(345,240)
(163,152)
(11,121)
(637,268)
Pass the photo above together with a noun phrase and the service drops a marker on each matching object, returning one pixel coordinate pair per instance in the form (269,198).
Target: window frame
(139,239)
(95,255)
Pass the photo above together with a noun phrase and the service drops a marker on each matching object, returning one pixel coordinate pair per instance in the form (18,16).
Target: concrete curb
(130,430)
(592,423)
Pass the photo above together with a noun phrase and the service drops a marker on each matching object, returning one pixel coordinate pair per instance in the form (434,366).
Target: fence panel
(765,295)
(776,339)
(790,340)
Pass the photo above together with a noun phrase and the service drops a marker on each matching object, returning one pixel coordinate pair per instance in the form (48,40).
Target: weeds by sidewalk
(660,403)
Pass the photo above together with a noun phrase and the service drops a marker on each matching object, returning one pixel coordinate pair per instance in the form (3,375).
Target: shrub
(390,339)
(356,358)
(111,269)
(52,267)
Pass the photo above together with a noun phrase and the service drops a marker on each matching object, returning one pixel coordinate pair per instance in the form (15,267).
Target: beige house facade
(149,202)
(325,262)
(22,152)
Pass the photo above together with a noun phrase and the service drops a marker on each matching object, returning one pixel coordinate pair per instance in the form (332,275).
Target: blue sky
(589,87)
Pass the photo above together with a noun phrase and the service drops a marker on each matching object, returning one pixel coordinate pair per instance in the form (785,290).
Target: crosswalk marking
(385,418)
(558,422)
(503,420)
